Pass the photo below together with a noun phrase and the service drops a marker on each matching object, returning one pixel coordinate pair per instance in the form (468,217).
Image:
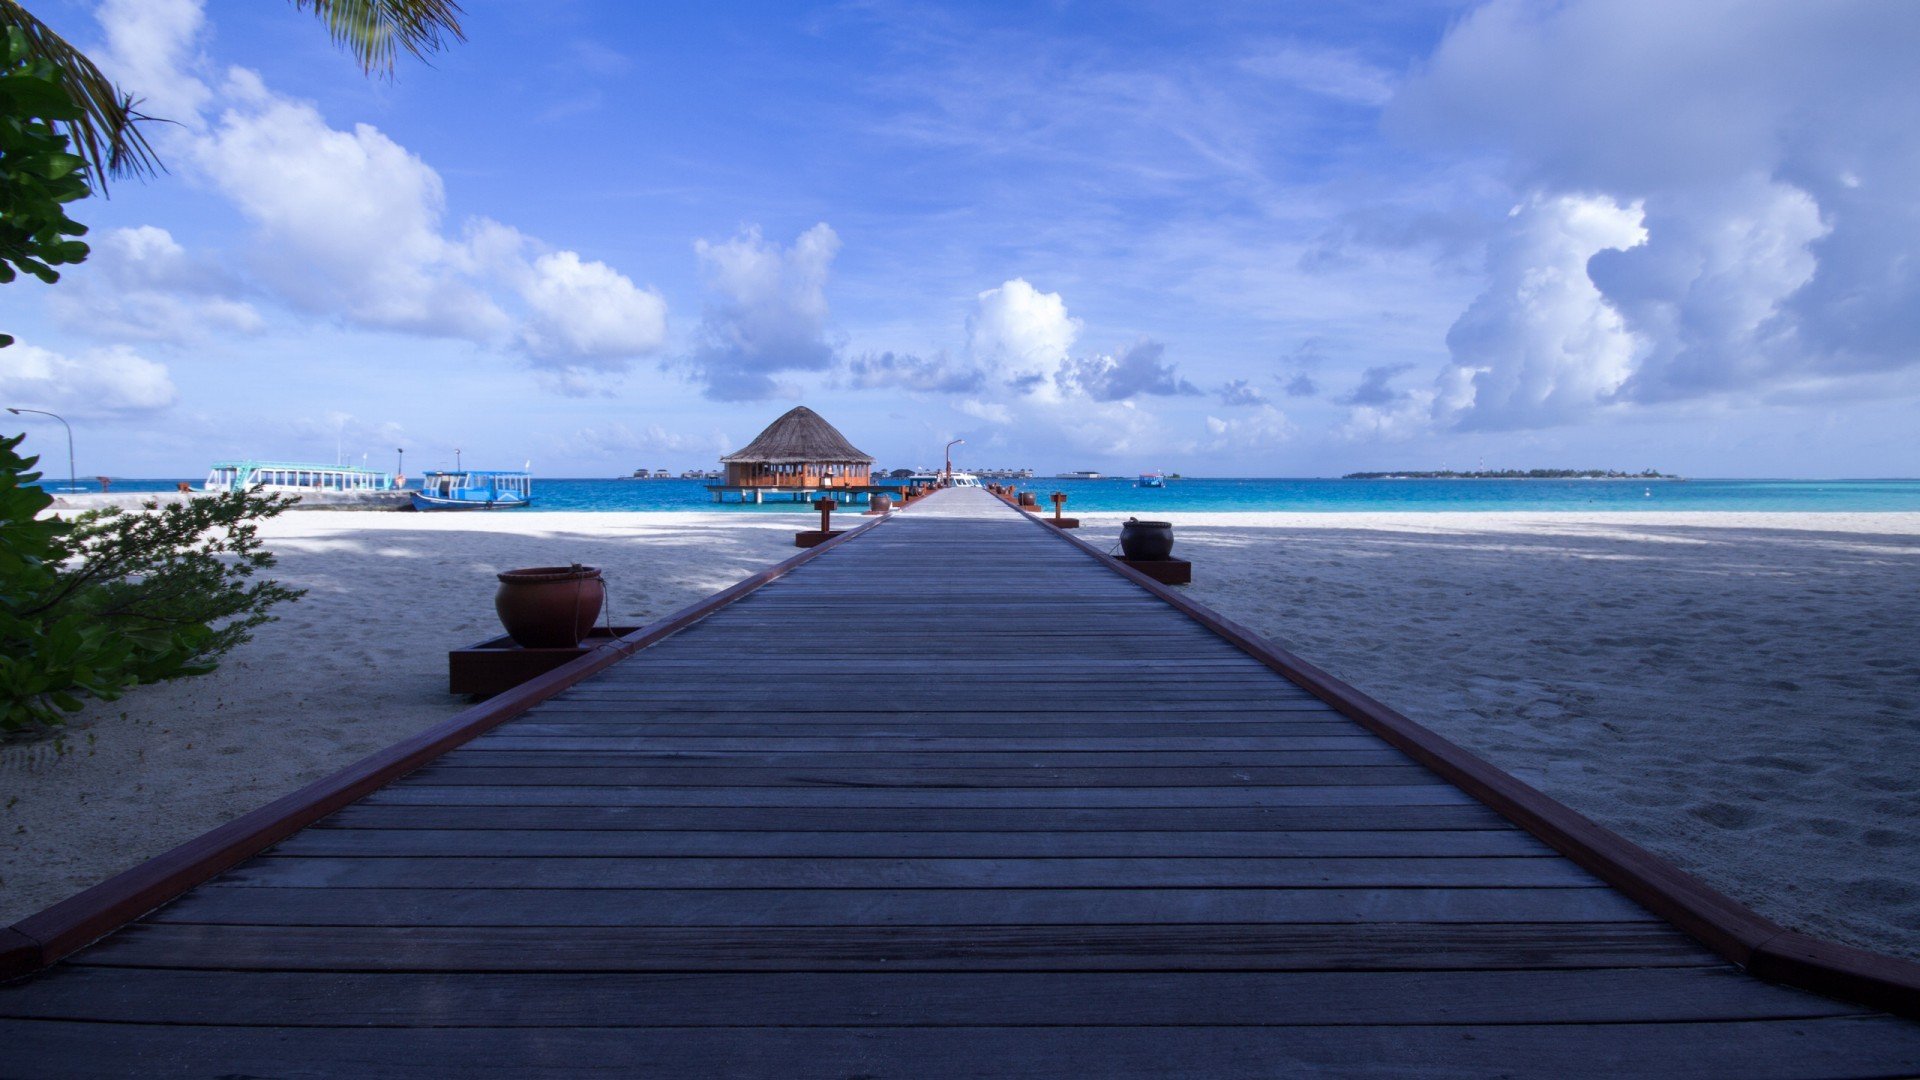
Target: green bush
(109,600)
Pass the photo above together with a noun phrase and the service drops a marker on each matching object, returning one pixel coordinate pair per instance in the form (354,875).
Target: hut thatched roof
(799,437)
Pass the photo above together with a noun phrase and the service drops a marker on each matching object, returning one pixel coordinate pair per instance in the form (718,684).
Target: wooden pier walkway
(1085,837)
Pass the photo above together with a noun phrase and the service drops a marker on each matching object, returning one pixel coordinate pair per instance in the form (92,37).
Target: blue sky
(1220,239)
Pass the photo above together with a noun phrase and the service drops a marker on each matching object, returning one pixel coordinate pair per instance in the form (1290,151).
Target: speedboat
(1155,478)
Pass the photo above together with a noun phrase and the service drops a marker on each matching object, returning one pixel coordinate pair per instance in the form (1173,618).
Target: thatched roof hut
(799,449)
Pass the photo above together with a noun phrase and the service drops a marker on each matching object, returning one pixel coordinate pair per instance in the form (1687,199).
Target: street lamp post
(950,447)
(456,459)
(400,466)
(73,482)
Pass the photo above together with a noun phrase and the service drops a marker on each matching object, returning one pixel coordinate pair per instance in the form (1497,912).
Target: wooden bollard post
(1060,499)
(812,537)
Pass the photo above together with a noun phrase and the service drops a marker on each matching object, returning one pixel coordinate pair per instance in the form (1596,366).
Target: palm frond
(374,30)
(107,133)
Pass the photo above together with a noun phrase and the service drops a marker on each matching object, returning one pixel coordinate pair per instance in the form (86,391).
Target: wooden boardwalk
(1086,837)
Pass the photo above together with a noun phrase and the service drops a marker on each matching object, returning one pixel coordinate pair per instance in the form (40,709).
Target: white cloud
(1541,345)
(351,225)
(587,310)
(151,47)
(1777,233)
(1022,335)
(140,284)
(99,382)
(769,315)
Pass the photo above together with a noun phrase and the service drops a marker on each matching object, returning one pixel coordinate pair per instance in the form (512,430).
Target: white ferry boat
(934,479)
(295,477)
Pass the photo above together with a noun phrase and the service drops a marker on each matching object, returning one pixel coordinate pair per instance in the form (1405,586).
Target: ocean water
(1300,495)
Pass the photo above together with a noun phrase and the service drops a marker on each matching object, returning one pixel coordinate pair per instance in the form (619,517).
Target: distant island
(1516,474)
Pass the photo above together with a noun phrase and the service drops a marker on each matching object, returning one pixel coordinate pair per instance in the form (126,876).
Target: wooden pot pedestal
(815,537)
(1062,522)
(497,665)
(1164,571)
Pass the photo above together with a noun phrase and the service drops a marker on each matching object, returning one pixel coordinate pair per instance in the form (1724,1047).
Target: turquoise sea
(1296,495)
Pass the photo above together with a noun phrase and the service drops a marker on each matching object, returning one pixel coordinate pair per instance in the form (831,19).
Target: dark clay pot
(1026,499)
(1147,540)
(550,607)
(880,504)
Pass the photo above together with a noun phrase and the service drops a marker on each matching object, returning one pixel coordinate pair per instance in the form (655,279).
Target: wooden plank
(1162,947)
(454,872)
(547,843)
(906,780)
(891,907)
(922,999)
(949,819)
(1381,795)
(637,754)
(1756,1050)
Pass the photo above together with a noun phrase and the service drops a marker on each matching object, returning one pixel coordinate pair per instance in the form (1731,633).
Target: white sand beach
(1738,692)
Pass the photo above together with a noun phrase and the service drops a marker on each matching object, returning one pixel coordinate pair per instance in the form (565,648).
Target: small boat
(936,478)
(1153,479)
(474,489)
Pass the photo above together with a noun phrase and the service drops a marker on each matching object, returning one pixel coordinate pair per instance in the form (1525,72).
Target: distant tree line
(1515,474)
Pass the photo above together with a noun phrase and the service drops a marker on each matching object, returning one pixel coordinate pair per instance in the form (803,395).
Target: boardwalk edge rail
(1762,947)
(44,938)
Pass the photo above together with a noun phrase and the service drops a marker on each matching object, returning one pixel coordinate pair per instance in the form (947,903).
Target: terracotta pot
(550,607)
(1026,499)
(880,504)
(1149,540)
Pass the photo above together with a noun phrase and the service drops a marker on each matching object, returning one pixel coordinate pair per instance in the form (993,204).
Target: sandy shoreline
(1737,691)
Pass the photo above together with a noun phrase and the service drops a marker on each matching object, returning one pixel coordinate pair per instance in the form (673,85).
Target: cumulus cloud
(140,284)
(1021,334)
(351,225)
(1138,369)
(1541,345)
(769,315)
(939,373)
(581,310)
(1774,240)
(99,382)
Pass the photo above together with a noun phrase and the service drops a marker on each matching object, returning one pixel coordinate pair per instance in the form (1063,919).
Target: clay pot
(1026,499)
(880,504)
(550,607)
(1146,540)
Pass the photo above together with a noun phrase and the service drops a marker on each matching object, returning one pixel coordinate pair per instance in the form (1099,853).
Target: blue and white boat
(1153,479)
(474,489)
